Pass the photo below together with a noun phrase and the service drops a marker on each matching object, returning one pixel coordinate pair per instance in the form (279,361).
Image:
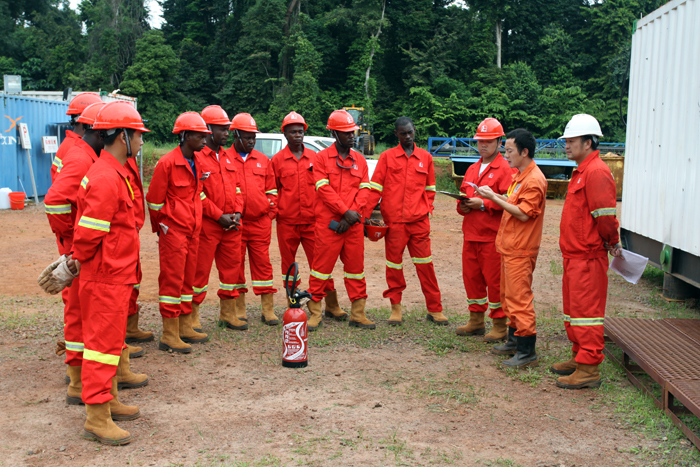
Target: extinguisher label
(294,338)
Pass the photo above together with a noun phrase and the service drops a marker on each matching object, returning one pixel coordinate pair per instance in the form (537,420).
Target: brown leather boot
(585,376)
(135,351)
(333,309)
(240,309)
(196,324)
(565,368)
(119,411)
(358,319)
(474,327)
(315,315)
(268,315)
(99,426)
(396,318)
(75,387)
(133,333)
(170,340)
(227,316)
(498,332)
(125,378)
(438,318)
(187,334)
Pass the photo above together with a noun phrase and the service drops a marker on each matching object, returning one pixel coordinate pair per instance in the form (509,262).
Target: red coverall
(222,189)
(481,263)
(337,191)
(175,200)
(61,204)
(295,209)
(66,145)
(259,192)
(106,243)
(140,215)
(587,221)
(406,186)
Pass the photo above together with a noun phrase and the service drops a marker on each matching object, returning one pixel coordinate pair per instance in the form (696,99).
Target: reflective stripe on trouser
(73,325)
(104,310)
(481,272)
(350,247)
(585,291)
(516,293)
(289,237)
(178,263)
(415,236)
(255,238)
(133,306)
(225,247)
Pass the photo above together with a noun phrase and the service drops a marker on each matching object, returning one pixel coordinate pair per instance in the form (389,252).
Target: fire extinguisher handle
(294,268)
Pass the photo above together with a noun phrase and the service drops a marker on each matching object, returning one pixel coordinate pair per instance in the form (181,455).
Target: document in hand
(629,265)
(454,195)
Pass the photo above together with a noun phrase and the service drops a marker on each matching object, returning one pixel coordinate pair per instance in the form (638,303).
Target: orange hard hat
(190,121)
(293,117)
(215,115)
(82,100)
(88,115)
(342,121)
(119,114)
(244,122)
(375,232)
(489,129)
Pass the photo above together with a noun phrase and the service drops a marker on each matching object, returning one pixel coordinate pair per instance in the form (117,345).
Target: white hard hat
(582,125)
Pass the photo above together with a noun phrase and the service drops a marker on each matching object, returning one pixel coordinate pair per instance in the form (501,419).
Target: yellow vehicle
(364,139)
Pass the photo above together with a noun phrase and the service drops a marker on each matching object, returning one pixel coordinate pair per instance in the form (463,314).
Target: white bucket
(5,198)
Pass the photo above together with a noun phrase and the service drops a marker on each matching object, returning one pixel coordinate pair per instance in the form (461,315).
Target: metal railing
(545,149)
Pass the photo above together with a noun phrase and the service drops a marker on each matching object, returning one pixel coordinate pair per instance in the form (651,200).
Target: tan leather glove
(61,277)
(44,276)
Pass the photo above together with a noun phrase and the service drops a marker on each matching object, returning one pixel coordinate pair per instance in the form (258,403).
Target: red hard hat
(293,117)
(88,115)
(119,114)
(190,121)
(215,115)
(82,100)
(244,122)
(489,129)
(342,121)
(375,232)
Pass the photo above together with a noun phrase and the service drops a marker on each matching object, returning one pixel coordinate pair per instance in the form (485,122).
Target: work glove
(60,278)
(44,276)
(60,348)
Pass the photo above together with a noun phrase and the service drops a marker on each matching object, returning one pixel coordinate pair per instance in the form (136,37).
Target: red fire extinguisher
(295,351)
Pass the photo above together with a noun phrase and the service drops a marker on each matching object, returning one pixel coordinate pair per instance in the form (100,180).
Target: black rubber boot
(526,355)
(510,347)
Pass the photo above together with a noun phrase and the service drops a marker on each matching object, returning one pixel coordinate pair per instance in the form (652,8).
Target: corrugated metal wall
(41,117)
(661,199)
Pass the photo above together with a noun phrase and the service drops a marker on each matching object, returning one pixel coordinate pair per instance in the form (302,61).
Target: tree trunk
(374,39)
(293,4)
(498,43)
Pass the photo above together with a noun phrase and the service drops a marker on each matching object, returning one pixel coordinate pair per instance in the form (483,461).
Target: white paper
(164,228)
(473,185)
(630,266)
(454,195)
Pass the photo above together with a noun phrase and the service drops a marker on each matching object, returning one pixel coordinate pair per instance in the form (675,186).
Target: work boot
(357,315)
(565,368)
(196,324)
(228,318)
(189,335)
(125,378)
(475,326)
(135,351)
(99,426)
(240,307)
(170,340)
(509,347)
(333,309)
(437,318)
(268,315)
(315,315)
(119,411)
(133,333)
(585,376)
(75,386)
(396,317)
(498,332)
(526,355)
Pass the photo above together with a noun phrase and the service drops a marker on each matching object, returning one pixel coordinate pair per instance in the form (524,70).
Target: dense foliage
(447,64)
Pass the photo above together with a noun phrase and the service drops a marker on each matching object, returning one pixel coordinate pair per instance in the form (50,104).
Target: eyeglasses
(352,162)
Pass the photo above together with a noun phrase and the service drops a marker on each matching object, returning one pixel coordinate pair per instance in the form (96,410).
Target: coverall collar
(587,161)
(495,163)
(114,163)
(521,175)
(87,148)
(287,153)
(402,152)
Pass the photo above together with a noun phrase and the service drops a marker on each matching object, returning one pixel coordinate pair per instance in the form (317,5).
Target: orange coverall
(68,142)
(140,215)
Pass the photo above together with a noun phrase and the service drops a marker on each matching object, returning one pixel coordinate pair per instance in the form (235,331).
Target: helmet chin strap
(337,140)
(128,143)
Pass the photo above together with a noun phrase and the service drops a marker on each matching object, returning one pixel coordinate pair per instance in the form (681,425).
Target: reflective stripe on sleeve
(376,186)
(58,163)
(238,190)
(271,192)
(202,196)
(84,182)
(365,185)
(107,359)
(155,206)
(96,224)
(57,208)
(430,188)
(320,183)
(604,212)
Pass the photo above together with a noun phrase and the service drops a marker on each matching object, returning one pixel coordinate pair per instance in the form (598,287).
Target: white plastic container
(5,198)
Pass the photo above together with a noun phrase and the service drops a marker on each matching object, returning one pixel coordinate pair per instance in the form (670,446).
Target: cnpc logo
(8,140)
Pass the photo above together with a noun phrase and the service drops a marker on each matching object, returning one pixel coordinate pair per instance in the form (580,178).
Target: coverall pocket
(183,187)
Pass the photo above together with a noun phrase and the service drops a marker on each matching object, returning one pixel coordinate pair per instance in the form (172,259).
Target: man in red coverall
(342,189)
(293,170)
(259,208)
(220,237)
(588,231)
(175,204)
(481,263)
(75,108)
(405,182)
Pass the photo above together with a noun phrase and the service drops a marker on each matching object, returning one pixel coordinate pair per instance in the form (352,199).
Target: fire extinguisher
(295,351)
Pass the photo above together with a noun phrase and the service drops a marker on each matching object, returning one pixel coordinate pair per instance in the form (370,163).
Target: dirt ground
(416,395)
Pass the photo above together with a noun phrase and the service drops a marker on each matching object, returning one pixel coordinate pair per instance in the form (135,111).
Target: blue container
(42,118)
